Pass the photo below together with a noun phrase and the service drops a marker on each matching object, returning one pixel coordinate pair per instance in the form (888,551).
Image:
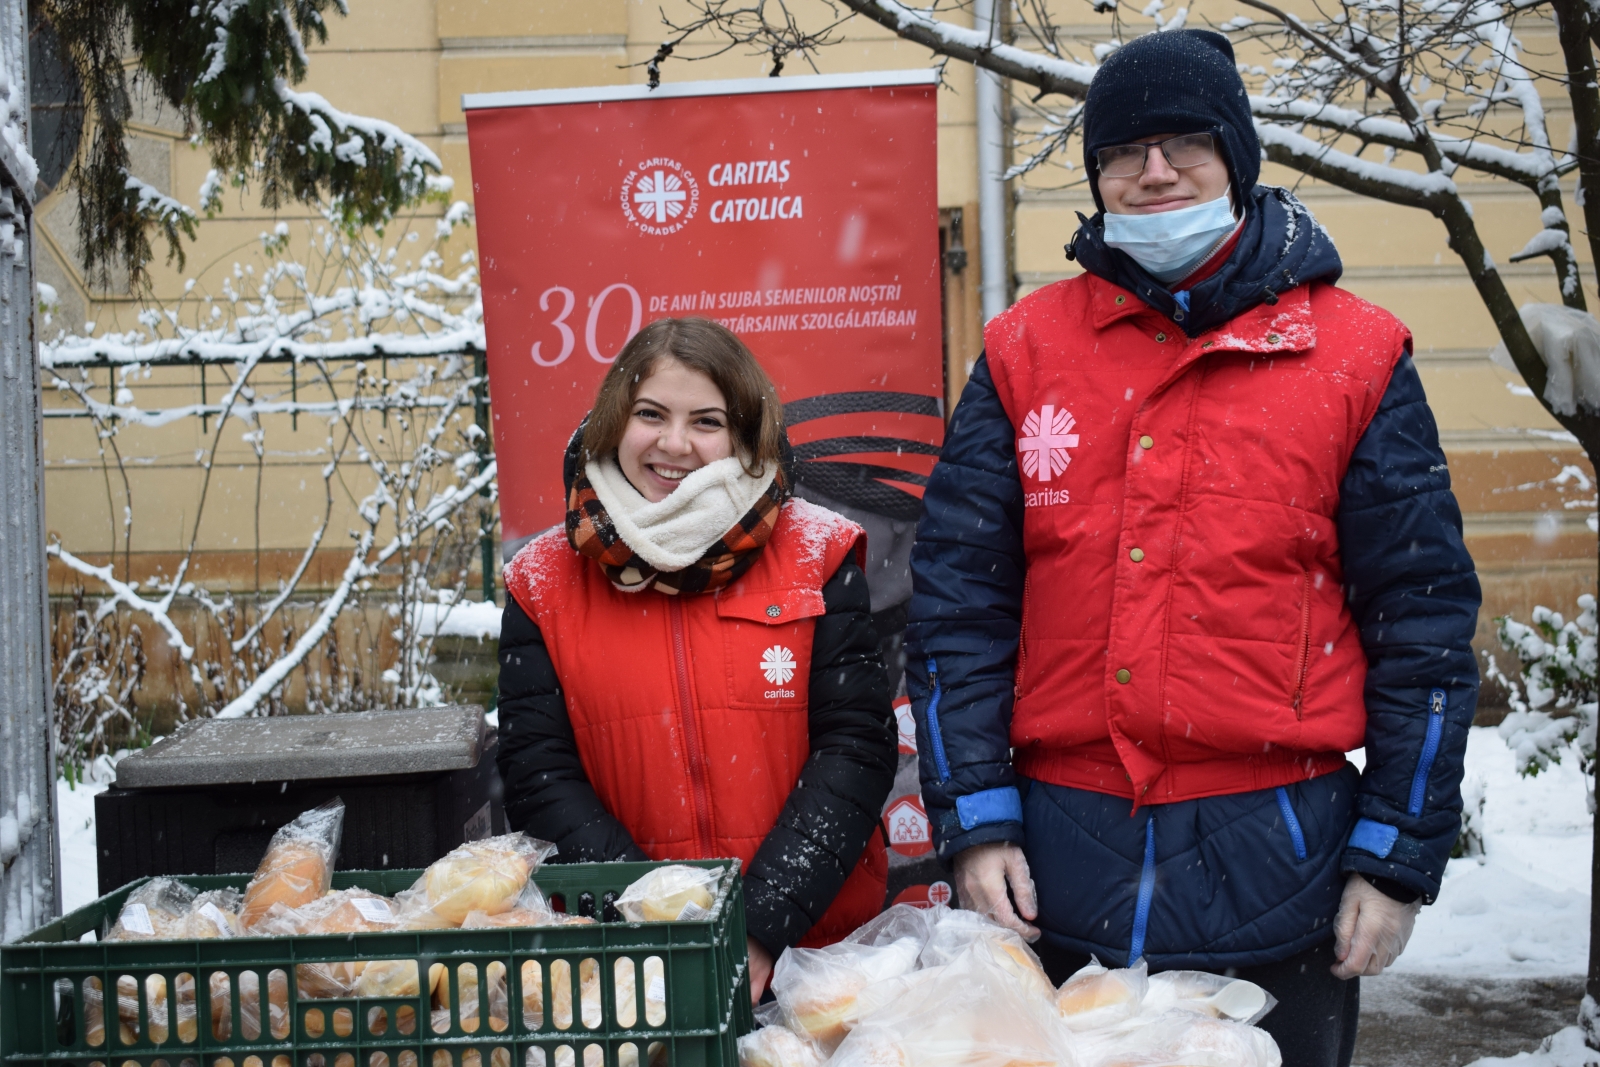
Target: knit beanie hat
(1182,81)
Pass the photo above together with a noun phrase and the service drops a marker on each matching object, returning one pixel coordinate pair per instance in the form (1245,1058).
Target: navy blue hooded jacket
(1222,881)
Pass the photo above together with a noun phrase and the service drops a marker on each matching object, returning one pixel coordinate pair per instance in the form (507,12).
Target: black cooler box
(207,799)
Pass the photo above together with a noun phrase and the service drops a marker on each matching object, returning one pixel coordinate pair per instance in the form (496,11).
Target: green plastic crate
(44,1013)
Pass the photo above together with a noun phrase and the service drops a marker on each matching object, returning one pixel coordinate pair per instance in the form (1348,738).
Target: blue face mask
(1169,244)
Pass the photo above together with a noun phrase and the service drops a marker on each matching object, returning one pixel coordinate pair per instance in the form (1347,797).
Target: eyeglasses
(1128,160)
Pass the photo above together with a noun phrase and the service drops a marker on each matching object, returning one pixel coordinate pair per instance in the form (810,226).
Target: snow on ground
(75,816)
(1521,913)
(1562,1049)
(1524,911)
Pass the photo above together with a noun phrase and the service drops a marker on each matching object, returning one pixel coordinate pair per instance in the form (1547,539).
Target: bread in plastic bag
(1208,994)
(898,923)
(344,911)
(530,909)
(395,978)
(953,932)
(488,876)
(817,987)
(155,911)
(778,1046)
(673,892)
(971,1012)
(298,866)
(1096,997)
(1180,1039)
(214,914)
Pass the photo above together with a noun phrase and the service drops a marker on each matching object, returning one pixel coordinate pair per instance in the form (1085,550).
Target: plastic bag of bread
(1207,994)
(968,1013)
(1180,1039)
(530,909)
(897,924)
(277,1021)
(344,911)
(778,1046)
(956,931)
(213,914)
(673,892)
(396,978)
(1098,997)
(155,911)
(817,987)
(487,876)
(298,866)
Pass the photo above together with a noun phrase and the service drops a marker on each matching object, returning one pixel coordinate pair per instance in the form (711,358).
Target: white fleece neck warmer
(673,533)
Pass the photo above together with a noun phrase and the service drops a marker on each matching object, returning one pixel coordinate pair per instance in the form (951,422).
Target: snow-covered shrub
(98,666)
(1553,700)
(384,353)
(1470,843)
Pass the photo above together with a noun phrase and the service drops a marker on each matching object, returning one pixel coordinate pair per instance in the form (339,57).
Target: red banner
(800,212)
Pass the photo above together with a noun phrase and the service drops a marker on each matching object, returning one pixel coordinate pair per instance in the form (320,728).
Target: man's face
(1163,187)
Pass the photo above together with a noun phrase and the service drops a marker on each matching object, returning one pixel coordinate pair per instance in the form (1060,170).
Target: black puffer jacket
(824,826)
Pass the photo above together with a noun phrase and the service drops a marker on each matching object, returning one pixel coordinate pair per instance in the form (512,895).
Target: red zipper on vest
(1304,664)
(691,733)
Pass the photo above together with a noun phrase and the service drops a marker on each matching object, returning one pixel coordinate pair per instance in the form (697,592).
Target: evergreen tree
(228,67)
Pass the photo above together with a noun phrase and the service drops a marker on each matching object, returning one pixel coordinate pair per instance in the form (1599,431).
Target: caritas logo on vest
(1042,451)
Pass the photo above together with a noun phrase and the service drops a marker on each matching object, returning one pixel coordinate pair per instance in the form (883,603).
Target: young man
(1191,538)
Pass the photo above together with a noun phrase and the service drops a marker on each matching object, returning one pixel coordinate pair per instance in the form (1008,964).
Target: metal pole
(30,889)
(992,235)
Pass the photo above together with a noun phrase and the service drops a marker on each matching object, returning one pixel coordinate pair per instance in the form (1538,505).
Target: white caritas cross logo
(660,196)
(1046,436)
(777,663)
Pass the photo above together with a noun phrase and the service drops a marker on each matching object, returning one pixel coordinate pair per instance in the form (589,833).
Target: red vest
(691,712)
(1184,629)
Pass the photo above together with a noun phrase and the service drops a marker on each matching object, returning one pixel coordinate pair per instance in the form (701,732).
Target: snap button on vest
(1123,676)
(1121,300)
(1147,441)
(1273,338)
(1137,555)
(1161,338)
(773,611)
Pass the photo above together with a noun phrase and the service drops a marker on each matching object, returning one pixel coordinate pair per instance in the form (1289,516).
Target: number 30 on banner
(569,340)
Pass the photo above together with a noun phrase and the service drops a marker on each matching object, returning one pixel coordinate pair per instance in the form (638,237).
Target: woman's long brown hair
(755,418)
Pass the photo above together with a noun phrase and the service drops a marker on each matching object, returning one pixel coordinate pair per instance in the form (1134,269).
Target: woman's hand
(760,969)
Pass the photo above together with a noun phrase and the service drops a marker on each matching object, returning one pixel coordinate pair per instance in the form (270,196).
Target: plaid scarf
(591,533)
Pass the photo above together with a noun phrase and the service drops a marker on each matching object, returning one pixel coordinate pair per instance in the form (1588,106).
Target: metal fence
(30,891)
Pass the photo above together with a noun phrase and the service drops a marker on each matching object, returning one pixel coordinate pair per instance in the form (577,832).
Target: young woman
(689,670)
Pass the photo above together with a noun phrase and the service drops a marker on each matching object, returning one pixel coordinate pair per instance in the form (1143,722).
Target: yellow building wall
(409,61)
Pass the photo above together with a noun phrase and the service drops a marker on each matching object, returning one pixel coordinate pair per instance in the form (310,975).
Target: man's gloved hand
(1371,930)
(982,875)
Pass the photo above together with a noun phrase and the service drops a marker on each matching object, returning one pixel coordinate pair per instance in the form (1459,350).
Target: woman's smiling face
(678,424)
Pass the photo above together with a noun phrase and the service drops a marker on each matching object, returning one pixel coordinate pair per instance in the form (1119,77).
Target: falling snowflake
(777,663)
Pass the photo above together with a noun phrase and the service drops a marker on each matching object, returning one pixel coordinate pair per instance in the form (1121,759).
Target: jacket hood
(572,461)
(1281,246)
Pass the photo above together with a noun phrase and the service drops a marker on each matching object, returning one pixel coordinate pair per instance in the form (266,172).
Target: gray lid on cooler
(298,748)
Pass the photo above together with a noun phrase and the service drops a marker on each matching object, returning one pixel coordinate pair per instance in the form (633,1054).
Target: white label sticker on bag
(656,991)
(373,910)
(692,911)
(136,919)
(219,920)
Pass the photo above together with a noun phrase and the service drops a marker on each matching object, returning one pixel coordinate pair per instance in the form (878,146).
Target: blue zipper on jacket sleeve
(1430,749)
(1147,892)
(1293,823)
(936,738)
